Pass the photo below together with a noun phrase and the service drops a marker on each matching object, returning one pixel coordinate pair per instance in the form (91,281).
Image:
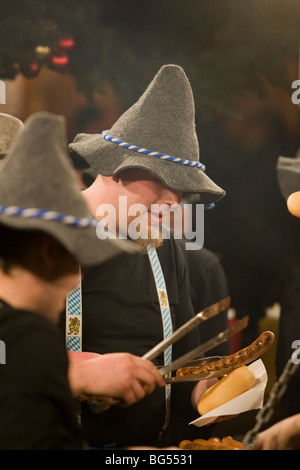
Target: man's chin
(144,242)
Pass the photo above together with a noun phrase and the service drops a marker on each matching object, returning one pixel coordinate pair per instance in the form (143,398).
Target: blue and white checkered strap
(166,318)
(152,153)
(74,318)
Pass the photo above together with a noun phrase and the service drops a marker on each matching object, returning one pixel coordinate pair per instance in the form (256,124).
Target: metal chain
(264,415)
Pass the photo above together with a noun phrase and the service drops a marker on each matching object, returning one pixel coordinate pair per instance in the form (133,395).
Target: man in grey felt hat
(149,158)
(46,231)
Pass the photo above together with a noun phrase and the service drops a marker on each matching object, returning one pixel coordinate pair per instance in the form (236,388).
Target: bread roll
(232,385)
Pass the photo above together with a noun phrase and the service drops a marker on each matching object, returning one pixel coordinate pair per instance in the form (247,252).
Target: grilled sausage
(244,356)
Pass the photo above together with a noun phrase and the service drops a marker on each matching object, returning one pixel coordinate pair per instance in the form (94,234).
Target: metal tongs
(200,350)
(207,313)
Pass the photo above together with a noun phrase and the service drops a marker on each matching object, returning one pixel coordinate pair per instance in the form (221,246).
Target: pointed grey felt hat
(38,191)
(157,134)
(288,174)
(10,126)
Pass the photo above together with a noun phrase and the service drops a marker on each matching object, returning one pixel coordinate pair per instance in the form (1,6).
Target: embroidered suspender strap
(166,319)
(74,318)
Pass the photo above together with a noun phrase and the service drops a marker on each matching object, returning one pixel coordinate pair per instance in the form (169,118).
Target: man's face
(147,199)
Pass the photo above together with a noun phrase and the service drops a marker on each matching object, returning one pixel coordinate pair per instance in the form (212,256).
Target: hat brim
(82,243)
(109,159)
(288,175)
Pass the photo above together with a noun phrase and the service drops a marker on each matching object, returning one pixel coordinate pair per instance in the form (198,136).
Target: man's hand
(200,389)
(118,375)
(284,435)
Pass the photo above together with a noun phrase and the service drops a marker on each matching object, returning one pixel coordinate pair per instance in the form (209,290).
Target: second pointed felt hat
(38,191)
(157,134)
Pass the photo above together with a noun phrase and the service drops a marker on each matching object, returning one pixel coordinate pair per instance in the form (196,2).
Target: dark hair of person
(17,248)
(14,247)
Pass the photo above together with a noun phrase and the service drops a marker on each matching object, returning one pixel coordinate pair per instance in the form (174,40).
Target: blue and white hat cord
(163,156)
(34,213)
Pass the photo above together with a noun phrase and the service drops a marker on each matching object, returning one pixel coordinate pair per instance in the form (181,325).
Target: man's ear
(45,252)
(49,259)
(59,260)
(116,178)
(51,249)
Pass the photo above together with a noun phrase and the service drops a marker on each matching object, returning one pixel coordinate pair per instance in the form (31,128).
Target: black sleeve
(182,411)
(181,393)
(40,411)
(208,284)
(184,310)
